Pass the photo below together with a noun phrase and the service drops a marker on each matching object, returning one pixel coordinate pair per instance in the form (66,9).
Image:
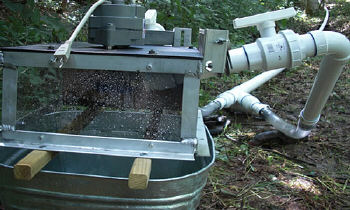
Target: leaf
(14,7)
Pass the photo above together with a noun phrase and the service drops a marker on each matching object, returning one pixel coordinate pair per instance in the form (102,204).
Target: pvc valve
(265,22)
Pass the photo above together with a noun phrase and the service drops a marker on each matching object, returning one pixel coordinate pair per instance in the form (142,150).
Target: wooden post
(31,164)
(139,174)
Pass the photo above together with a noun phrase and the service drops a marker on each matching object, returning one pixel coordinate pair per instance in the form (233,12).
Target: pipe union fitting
(294,47)
(320,41)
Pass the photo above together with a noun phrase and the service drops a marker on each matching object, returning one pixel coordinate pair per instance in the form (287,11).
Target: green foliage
(26,24)
(213,14)
(37,87)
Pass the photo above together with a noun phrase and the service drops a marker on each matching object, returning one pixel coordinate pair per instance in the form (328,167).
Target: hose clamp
(309,124)
(257,107)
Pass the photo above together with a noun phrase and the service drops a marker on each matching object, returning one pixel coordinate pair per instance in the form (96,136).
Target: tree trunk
(312,6)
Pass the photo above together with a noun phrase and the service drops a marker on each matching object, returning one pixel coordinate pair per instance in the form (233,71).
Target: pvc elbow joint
(332,43)
(336,48)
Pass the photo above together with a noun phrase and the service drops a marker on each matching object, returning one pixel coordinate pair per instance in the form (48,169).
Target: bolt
(151,145)
(221,41)
(151,52)
(41,137)
(53,60)
(149,67)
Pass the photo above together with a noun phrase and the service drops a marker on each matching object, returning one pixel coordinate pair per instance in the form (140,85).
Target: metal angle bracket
(182,37)
(1,59)
(202,146)
(125,147)
(213,45)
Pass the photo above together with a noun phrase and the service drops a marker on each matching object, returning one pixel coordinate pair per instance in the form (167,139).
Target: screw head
(149,67)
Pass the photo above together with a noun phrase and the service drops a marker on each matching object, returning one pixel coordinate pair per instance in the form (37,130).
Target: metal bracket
(213,45)
(182,35)
(1,59)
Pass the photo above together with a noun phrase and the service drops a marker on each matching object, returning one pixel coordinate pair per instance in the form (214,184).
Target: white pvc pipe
(238,60)
(84,20)
(237,93)
(259,80)
(307,45)
(325,21)
(336,47)
(265,54)
(267,29)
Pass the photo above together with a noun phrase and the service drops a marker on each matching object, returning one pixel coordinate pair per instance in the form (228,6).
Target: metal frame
(189,66)
(97,145)
(107,62)
(213,44)
(190,99)
(9,97)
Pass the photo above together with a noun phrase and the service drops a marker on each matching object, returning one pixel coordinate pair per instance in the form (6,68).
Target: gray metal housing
(117,25)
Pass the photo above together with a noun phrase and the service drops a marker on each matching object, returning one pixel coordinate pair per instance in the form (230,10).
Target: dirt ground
(313,173)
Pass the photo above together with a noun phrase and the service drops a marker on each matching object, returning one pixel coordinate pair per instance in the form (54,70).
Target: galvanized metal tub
(82,181)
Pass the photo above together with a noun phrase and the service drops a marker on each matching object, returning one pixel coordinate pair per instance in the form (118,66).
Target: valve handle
(258,19)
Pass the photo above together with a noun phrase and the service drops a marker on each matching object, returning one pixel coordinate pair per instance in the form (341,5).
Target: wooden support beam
(31,164)
(140,173)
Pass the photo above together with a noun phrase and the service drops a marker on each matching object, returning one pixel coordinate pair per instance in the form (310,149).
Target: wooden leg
(31,164)
(140,174)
